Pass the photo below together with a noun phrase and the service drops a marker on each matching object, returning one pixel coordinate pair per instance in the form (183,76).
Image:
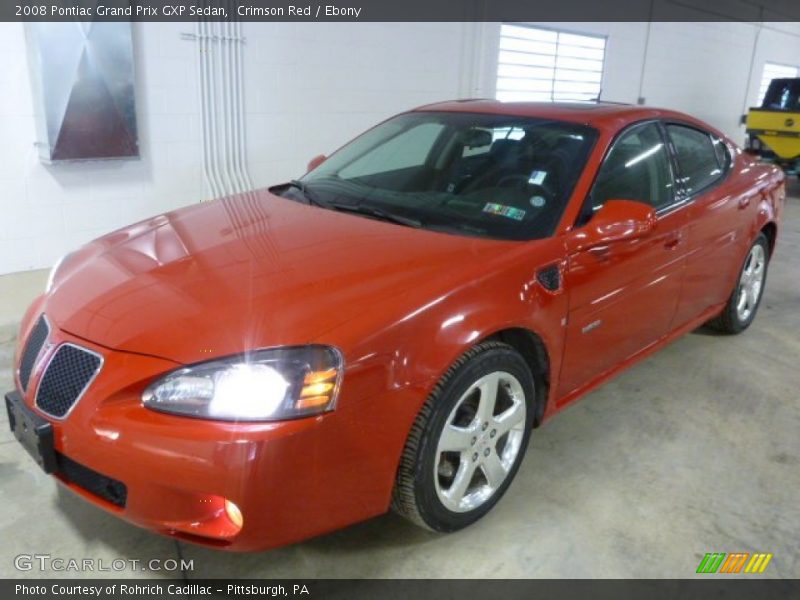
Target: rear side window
(636,168)
(697,156)
(722,152)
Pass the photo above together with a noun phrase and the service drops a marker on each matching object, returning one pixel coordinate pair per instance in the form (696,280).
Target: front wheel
(468,440)
(743,304)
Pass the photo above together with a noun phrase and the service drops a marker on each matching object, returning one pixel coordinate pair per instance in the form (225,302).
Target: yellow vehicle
(773,129)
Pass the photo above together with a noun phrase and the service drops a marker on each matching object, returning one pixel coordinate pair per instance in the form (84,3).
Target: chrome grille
(66,377)
(33,346)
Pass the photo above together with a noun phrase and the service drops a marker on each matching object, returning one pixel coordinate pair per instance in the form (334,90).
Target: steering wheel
(516,178)
(532,190)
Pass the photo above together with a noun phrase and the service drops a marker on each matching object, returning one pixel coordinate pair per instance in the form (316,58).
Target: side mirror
(616,221)
(316,161)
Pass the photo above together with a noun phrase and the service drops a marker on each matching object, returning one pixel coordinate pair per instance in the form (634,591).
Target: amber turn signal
(318,389)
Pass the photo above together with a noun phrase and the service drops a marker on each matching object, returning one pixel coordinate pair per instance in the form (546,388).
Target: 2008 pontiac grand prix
(387,330)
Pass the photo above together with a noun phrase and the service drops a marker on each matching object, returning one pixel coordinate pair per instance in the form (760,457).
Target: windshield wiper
(310,197)
(361,209)
(377,213)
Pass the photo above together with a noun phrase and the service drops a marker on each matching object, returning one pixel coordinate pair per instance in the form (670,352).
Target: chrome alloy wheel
(480,441)
(751,282)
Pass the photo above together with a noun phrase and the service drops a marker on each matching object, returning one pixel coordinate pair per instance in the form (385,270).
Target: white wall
(623,64)
(46,210)
(704,68)
(309,88)
(701,68)
(312,87)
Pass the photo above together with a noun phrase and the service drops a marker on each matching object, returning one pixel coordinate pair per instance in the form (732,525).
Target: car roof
(601,115)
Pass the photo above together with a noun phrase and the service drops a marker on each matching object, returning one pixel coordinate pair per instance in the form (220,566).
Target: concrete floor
(16,292)
(694,450)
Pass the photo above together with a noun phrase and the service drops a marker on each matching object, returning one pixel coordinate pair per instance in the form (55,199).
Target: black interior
(503,173)
(498,176)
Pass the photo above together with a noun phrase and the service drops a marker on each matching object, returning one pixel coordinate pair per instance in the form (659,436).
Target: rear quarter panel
(765,184)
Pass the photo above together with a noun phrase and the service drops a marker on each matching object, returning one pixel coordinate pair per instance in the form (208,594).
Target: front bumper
(36,436)
(291,480)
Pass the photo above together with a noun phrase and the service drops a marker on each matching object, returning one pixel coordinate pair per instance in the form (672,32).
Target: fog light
(234,514)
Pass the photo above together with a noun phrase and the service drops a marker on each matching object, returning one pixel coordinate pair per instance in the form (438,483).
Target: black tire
(729,320)
(415,492)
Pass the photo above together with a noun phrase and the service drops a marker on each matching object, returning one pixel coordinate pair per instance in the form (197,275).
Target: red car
(388,330)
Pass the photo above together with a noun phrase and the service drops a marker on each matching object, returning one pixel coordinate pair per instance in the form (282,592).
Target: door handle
(744,202)
(673,241)
(600,251)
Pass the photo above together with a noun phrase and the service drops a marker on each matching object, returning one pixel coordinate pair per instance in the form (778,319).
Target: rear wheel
(743,304)
(468,440)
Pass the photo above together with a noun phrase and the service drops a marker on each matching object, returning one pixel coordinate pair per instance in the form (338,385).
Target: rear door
(623,296)
(718,215)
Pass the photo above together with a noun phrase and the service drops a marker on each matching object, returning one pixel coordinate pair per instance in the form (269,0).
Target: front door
(623,296)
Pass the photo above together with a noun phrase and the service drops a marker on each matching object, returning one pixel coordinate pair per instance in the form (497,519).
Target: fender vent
(550,278)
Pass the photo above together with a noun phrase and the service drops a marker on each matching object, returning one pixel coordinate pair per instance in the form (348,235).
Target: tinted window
(722,152)
(783,94)
(399,152)
(697,157)
(636,168)
(497,176)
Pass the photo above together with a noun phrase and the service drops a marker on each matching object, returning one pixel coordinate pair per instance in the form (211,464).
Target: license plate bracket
(32,431)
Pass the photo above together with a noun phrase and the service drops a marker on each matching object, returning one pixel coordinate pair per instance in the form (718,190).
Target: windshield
(783,94)
(496,176)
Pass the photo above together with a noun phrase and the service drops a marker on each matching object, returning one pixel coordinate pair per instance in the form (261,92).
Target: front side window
(697,157)
(497,176)
(636,168)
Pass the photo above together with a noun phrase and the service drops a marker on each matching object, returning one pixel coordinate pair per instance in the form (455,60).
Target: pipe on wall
(221,81)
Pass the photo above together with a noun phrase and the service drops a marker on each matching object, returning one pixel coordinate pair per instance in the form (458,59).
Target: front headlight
(264,385)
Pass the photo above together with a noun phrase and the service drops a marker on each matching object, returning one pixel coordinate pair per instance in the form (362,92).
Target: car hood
(252,270)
